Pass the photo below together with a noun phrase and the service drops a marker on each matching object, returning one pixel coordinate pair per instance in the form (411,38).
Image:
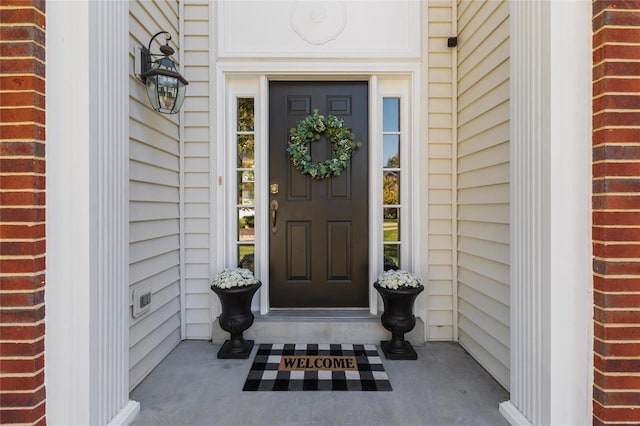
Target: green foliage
(311,129)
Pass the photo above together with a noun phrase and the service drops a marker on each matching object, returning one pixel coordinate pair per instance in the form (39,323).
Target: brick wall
(22,211)
(616,211)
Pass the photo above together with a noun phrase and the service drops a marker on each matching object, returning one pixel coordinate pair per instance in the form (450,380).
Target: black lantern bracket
(165,85)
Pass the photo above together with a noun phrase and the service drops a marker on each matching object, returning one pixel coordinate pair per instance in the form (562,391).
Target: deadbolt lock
(273,188)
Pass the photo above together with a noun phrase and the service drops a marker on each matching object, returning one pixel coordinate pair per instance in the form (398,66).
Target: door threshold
(316,314)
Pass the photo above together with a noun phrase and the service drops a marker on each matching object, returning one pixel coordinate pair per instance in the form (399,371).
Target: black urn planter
(398,318)
(235,318)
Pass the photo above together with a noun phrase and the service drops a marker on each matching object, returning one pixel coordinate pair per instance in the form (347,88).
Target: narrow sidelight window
(391,173)
(245,172)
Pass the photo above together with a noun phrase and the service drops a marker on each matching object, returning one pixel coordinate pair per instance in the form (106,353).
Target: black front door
(319,243)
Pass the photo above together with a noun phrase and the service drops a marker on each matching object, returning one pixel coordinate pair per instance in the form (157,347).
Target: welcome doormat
(317,367)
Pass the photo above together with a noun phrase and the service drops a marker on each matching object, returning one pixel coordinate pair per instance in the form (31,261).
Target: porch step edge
(275,329)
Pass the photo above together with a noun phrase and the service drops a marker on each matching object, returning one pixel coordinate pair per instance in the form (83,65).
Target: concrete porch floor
(445,386)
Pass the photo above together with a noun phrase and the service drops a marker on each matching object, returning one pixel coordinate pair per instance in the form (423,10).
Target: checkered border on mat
(265,376)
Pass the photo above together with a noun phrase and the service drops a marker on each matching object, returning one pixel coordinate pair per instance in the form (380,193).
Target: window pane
(246,187)
(391,115)
(245,151)
(246,253)
(391,151)
(391,188)
(246,220)
(391,224)
(391,256)
(245,115)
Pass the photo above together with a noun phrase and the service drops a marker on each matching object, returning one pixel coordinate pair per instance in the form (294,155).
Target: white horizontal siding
(440,131)
(153,203)
(197,190)
(483,183)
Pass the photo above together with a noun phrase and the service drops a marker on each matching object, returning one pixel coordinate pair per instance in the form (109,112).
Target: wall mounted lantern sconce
(165,86)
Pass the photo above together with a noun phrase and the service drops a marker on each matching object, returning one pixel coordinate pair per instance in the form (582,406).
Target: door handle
(274,215)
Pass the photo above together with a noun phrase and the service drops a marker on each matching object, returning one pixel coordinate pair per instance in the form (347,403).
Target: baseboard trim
(126,414)
(513,415)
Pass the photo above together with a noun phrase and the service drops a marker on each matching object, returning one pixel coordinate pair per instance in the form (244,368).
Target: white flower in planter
(237,277)
(398,279)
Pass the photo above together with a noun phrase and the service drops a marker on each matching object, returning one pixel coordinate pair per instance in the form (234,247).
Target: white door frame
(235,79)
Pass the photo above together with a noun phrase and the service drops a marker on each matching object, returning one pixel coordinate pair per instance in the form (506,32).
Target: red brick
(616,333)
(36,149)
(620,349)
(22,182)
(20,266)
(631,102)
(602,234)
(616,202)
(618,85)
(600,5)
(612,35)
(617,382)
(22,115)
(616,218)
(617,365)
(21,365)
(16,214)
(23,32)
(613,168)
(21,299)
(22,82)
(616,414)
(610,69)
(18,316)
(616,51)
(616,268)
(616,152)
(617,251)
(22,49)
(616,17)
(615,118)
(26,230)
(22,383)
(618,316)
(22,132)
(613,300)
(22,165)
(18,99)
(618,136)
(20,66)
(39,4)
(615,398)
(22,16)
(22,248)
(17,350)
(23,399)
(24,415)
(26,198)
(616,284)
(22,283)
(616,185)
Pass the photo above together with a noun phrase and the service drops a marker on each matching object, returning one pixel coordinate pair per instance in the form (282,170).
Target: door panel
(319,245)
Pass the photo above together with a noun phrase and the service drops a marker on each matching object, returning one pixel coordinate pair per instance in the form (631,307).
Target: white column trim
(514,416)
(87,338)
(551,329)
(126,415)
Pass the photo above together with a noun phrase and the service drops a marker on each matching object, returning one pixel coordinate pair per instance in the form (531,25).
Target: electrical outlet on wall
(141,301)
